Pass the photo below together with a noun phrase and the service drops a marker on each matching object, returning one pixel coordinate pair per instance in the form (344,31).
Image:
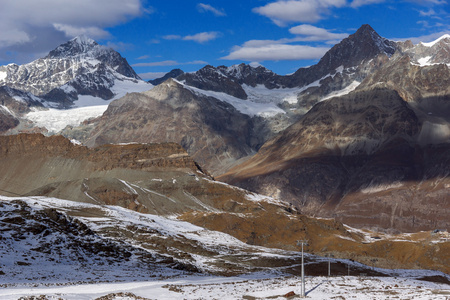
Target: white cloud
(313,33)
(208,8)
(13,36)
(424,38)
(428,13)
(428,2)
(151,75)
(202,37)
(91,31)
(275,52)
(157,64)
(307,11)
(169,63)
(172,37)
(50,22)
(358,3)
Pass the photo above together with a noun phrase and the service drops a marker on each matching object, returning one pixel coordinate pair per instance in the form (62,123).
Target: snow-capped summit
(78,67)
(432,53)
(77,45)
(445,38)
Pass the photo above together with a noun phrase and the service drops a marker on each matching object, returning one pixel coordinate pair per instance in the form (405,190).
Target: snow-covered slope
(49,240)
(86,107)
(436,52)
(78,67)
(80,75)
(68,250)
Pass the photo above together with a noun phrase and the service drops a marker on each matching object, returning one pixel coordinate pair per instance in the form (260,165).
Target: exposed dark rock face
(349,150)
(213,79)
(213,132)
(350,60)
(7,120)
(172,74)
(13,104)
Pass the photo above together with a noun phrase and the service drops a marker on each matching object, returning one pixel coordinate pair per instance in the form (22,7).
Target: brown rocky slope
(162,179)
(213,132)
(356,158)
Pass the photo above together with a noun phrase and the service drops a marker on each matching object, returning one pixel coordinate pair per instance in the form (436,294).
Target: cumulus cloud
(275,52)
(201,7)
(358,3)
(50,22)
(90,31)
(313,33)
(169,63)
(424,38)
(201,37)
(151,75)
(306,11)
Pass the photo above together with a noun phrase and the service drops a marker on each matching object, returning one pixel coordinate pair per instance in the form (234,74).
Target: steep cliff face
(339,158)
(213,132)
(53,166)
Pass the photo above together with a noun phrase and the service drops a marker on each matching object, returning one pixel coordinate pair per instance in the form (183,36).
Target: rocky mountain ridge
(357,149)
(212,131)
(352,60)
(78,67)
(148,179)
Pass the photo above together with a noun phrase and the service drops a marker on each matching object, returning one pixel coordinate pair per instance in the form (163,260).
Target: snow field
(256,286)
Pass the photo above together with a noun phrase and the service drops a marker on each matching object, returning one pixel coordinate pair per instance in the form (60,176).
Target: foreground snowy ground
(250,287)
(43,251)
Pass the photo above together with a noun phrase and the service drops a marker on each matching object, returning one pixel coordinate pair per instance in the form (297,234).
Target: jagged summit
(363,45)
(78,45)
(78,67)
(172,74)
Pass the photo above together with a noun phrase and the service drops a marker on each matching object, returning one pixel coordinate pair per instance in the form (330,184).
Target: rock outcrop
(345,155)
(213,132)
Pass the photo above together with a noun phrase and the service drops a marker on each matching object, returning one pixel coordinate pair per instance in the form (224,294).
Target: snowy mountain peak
(366,34)
(445,38)
(78,67)
(83,40)
(76,46)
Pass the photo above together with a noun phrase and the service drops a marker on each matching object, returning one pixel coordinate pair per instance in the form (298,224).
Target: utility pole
(329,265)
(303,292)
(329,255)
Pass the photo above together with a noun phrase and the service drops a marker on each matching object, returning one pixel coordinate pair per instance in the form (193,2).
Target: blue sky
(157,36)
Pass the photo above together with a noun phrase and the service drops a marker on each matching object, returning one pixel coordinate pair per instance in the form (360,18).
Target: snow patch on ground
(165,283)
(6,109)
(350,88)
(380,188)
(55,120)
(3,75)
(247,107)
(261,94)
(257,286)
(86,107)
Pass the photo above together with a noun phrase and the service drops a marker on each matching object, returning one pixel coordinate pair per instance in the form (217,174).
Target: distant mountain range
(366,128)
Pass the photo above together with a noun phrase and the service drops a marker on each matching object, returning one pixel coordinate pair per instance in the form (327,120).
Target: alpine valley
(105,177)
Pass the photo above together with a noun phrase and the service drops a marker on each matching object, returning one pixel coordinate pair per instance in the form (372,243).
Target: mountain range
(361,138)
